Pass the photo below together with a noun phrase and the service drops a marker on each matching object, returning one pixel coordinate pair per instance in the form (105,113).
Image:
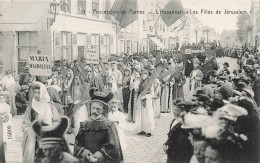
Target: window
(66,46)
(135,48)
(105,48)
(122,46)
(65,5)
(82,7)
(26,46)
(128,47)
(95,6)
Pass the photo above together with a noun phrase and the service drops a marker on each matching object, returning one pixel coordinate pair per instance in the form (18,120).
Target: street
(141,149)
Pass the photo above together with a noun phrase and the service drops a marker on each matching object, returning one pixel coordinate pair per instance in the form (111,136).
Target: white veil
(43,107)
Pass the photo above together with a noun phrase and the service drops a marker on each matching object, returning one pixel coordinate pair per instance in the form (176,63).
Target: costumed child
(6,116)
(120,121)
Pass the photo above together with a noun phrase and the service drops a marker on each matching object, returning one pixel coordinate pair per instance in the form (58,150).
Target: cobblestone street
(141,149)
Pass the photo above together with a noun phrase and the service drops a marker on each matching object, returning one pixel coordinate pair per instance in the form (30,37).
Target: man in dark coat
(188,66)
(178,146)
(97,139)
(21,100)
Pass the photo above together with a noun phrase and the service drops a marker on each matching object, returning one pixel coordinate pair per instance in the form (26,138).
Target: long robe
(156,92)
(134,87)
(120,120)
(196,78)
(29,136)
(166,97)
(126,93)
(177,90)
(117,74)
(8,84)
(99,135)
(144,115)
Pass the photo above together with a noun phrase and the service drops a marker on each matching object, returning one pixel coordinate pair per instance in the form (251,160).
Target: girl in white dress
(120,121)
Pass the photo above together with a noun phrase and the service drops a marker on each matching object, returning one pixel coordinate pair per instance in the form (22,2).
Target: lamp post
(54,8)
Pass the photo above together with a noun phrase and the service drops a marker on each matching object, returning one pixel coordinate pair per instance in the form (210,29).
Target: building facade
(28,26)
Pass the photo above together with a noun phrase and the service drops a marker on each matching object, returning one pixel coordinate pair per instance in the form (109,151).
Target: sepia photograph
(129,81)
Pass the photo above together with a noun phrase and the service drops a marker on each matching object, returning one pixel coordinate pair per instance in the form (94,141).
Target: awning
(157,42)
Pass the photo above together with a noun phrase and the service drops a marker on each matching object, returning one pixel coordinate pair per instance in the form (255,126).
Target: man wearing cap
(225,71)
(178,146)
(97,139)
(52,138)
(21,100)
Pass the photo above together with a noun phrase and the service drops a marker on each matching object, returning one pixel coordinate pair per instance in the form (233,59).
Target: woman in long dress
(126,90)
(144,120)
(196,77)
(156,92)
(8,84)
(40,108)
(134,87)
(166,98)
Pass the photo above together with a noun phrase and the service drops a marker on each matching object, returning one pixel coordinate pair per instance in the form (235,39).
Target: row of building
(69,29)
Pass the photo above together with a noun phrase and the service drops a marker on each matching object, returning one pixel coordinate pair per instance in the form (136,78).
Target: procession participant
(207,67)
(6,117)
(196,77)
(156,92)
(55,98)
(117,74)
(52,139)
(177,88)
(56,66)
(256,88)
(144,120)
(69,111)
(188,66)
(212,77)
(119,119)
(110,86)
(29,94)
(21,100)
(126,88)
(41,108)
(8,84)
(96,81)
(178,147)
(134,88)
(67,84)
(24,77)
(166,95)
(77,82)
(97,139)
(225,71)
(106,71)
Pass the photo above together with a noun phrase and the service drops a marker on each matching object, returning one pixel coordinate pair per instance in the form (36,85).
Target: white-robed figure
(118,77)
(144,120)
(8,84)
(119,119)
(156,92)
(80,115)
(5,115)
(196,77)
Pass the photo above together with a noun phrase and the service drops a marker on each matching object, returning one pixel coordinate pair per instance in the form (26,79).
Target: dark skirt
(126,97)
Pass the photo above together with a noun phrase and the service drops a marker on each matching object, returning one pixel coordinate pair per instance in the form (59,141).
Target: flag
(183,25)
(169,15)
(121,12)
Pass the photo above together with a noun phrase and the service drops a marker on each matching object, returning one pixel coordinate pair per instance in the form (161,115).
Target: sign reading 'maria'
(39,65)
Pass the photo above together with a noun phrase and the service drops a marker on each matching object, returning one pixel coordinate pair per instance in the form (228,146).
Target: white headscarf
(43,107)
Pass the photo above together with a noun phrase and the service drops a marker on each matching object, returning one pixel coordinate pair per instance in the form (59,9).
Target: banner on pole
(39,65)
